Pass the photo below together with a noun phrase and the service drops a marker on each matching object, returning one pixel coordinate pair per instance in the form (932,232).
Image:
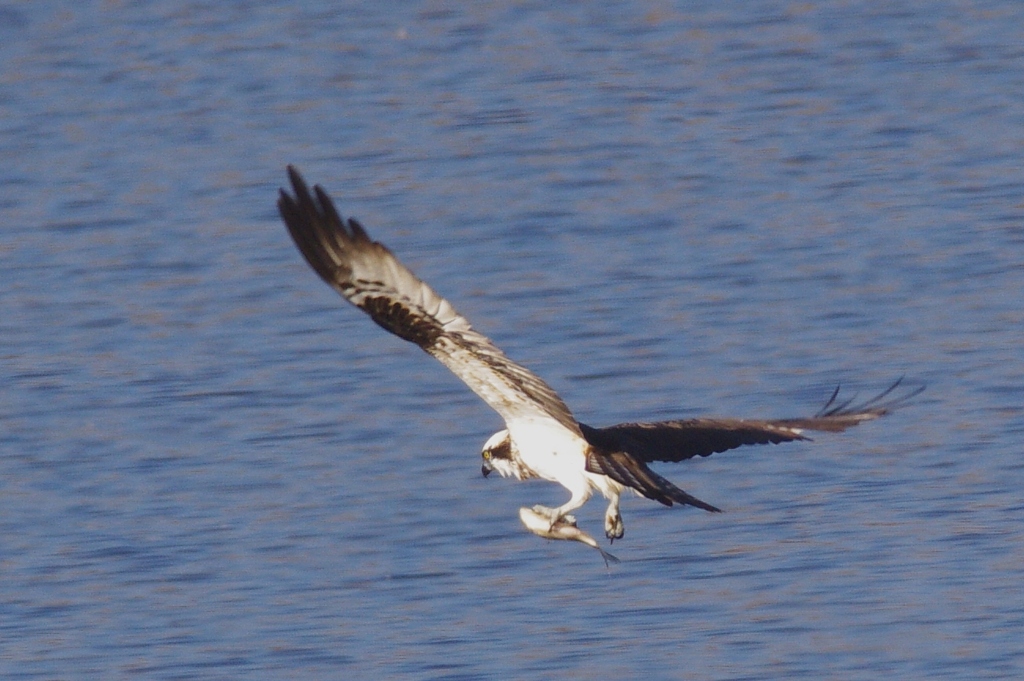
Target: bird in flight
(541,439)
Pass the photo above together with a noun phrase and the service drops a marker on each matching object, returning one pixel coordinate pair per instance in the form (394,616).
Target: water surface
(212,467)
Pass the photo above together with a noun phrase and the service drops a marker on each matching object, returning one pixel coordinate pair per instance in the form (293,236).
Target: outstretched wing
(621,452)
(370,277)
(679,440)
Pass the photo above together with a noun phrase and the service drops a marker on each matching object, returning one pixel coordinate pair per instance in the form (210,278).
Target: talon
(549,513)
(613,527)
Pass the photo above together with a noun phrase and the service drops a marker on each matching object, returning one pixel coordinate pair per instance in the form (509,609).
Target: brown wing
(679,440)
(622,452)
(370,277)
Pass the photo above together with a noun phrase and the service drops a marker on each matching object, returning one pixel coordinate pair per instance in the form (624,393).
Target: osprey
(541,438)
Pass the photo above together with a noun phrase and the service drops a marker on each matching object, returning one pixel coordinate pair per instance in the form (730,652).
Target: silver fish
(565,528)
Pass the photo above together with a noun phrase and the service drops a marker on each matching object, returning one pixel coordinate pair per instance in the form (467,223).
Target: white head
(497,456)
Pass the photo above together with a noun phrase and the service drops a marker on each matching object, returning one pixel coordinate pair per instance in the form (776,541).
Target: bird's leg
(613,528)
(561,513)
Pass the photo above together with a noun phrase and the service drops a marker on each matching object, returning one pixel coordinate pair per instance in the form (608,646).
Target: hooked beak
(486,470)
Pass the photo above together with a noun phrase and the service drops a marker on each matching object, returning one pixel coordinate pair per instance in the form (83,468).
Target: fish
(564,528)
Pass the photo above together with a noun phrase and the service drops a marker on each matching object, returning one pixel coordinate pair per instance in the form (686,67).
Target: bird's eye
(487,454)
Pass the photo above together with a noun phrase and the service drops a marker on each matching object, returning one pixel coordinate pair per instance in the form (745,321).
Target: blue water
(211,467)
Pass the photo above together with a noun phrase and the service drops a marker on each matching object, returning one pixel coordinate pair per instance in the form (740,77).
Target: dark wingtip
(703,505)
(320,202)
(880,405)
(686,499)
(298,183)
(326,206)
(357,229)
(284,201)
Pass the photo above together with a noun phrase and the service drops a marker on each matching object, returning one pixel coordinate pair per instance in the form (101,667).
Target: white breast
(552,451)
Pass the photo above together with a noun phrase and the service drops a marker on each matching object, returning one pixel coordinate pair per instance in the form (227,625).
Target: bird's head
(497,455)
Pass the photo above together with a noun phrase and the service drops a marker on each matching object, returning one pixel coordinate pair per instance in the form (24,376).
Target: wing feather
(627,470)
(680,440)
(370,277)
